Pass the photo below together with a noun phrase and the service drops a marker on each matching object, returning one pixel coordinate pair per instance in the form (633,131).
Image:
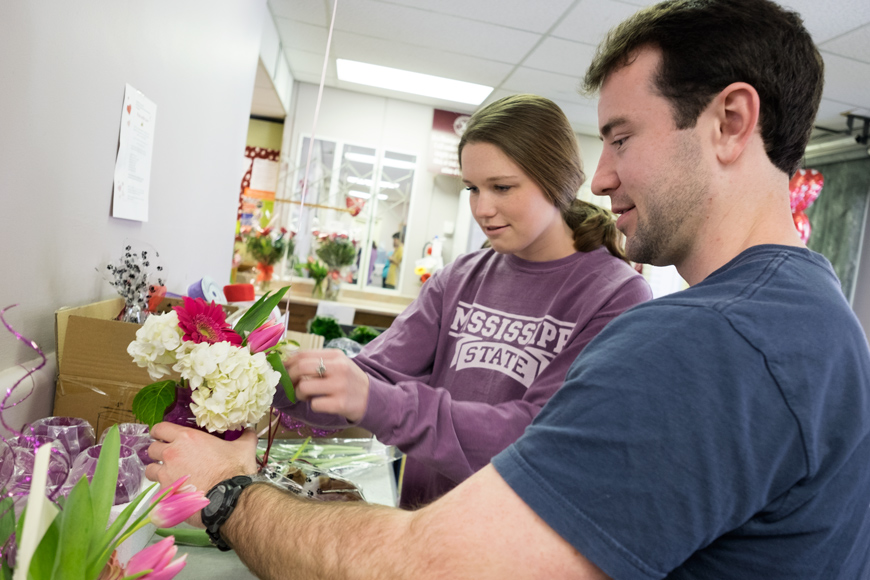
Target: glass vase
(180,413)
(264,275)
(333,285)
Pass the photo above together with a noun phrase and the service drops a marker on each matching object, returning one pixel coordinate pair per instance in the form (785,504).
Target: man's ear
(736,110)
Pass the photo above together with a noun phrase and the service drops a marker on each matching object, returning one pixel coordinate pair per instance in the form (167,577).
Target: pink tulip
(265,337)
(156,559)
(178,503)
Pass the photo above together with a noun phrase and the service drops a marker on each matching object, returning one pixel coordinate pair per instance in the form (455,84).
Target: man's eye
(619,142)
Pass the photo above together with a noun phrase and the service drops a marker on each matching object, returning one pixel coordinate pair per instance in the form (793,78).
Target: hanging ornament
(804,188)
(802,223)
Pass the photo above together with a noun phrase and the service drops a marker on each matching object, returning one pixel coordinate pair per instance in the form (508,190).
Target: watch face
(216,499)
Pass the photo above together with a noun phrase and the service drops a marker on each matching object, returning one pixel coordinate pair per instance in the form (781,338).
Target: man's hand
(207,459)
(343,388)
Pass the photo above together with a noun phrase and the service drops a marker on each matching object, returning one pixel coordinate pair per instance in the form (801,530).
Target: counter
(373,307)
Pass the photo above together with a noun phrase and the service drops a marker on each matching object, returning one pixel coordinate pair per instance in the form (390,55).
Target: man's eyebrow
(607,129)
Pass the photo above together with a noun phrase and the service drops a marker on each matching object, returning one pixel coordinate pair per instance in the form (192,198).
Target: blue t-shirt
(720,432)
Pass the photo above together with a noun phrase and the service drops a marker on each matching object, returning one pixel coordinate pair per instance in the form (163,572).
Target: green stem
(301,447)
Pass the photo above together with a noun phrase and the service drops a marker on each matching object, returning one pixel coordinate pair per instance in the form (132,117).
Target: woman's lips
(493,230)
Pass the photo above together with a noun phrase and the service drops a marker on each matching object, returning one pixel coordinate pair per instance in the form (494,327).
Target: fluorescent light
(411,82)
(365,195)
(368,182)
(370,159)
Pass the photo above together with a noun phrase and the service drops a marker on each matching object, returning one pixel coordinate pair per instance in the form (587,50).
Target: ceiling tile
(534,16)
(561,56)
(419,59)
(826,21)
(846,80)
(432,30)
(308,11)
(590,20)
(855,44)
(301,36)
(553,86)
(830,115)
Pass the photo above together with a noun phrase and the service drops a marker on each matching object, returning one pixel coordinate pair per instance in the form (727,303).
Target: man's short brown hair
(708,44)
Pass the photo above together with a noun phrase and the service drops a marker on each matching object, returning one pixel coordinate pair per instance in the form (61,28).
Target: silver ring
(321,370)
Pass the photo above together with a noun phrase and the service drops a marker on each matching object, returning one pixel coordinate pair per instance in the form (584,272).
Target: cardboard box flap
(98,350)
(104,310)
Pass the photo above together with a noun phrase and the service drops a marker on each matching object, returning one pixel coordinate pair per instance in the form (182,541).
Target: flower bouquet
(338,252)
(317,271)
(268,247)
(79,540)
(227,376)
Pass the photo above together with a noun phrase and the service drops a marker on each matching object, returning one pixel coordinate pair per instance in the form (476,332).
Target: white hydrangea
(231,387)
(156,343)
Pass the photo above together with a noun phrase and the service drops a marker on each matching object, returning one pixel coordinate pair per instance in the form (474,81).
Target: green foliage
(325,326)
(267,248)
(151,402)
(7,528)
(274,359)
(363,334)
(259,312)
(77,544)
(336,253)
(186,536)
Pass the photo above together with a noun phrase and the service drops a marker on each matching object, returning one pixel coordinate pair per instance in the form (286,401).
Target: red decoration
(802,223)
(354,204)
(804,188)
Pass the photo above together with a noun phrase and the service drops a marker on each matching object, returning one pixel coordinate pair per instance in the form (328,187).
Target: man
(721,432)
(394,262)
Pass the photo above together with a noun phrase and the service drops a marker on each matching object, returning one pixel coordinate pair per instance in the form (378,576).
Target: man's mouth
(622,213)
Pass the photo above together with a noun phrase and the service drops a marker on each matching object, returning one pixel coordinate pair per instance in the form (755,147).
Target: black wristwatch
(223,498)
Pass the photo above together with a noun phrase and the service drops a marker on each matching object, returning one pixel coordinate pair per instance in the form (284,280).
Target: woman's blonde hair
(536,135)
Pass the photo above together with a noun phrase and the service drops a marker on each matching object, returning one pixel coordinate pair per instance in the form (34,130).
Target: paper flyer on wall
(133,166)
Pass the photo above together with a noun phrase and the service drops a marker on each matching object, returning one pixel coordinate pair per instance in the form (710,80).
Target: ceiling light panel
(411,82)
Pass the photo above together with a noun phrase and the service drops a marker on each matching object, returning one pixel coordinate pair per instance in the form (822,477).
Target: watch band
(223,498)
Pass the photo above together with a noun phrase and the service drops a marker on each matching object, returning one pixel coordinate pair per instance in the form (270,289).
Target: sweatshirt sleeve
(457,438)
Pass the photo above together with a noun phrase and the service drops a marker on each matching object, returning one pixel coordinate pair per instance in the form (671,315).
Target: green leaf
(259,312)
(274,359)
(99,558)
(151,402)
(46,553)
(186,536)
(7,519)
(103,484)
(76,528)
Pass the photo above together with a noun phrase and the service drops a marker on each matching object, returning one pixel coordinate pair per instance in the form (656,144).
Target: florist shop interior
(218,161)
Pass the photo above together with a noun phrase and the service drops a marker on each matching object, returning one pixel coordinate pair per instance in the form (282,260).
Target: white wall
(63,67)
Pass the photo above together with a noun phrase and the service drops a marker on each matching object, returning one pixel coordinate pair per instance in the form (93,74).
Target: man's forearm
(278,535)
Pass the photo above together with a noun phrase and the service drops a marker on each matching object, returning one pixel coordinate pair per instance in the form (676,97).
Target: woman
(462,372)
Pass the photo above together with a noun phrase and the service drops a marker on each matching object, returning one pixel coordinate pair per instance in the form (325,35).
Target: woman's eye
(471,189)
(502,188)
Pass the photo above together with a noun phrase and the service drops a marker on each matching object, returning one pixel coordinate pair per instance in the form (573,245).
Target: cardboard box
(97,378)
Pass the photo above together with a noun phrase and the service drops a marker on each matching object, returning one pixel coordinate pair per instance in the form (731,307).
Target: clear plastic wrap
(325,469)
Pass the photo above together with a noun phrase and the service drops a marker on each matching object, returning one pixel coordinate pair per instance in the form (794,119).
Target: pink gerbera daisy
(204,322)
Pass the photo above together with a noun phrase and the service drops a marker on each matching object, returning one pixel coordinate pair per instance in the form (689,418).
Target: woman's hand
(338,387)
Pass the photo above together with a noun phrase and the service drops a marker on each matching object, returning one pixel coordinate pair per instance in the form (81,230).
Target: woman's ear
(736,111)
